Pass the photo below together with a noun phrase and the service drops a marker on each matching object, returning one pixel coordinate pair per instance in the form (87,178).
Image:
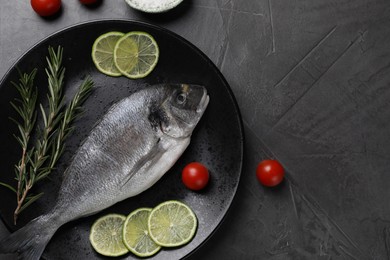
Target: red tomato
(270,173)
(46,7)
(195,176)
(87,2)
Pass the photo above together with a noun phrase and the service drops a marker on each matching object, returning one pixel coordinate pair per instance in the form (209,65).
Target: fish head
(183,108)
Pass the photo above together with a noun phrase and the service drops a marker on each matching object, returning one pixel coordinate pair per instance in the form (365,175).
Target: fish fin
(30,241)
(155,154)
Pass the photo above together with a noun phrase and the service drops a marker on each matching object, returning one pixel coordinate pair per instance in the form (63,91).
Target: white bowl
(153,6)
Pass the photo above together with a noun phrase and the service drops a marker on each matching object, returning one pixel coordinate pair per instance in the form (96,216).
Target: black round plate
(217,141)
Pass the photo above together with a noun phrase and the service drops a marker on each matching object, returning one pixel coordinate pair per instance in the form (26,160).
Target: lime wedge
(172,223)
(136,235)
(106,235)
(103,53)
(136,54)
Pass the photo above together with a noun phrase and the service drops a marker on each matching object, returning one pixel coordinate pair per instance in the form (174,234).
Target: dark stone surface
(312,81)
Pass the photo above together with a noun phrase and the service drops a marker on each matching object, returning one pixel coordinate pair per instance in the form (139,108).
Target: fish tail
(30,241)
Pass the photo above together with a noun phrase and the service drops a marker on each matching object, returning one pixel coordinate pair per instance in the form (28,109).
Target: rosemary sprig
(71,113)
(38,161)
(25,107)
(51,119)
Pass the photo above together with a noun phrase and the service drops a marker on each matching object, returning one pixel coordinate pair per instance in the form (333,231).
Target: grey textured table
(312,80)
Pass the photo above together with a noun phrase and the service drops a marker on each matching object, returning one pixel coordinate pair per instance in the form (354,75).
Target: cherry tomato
(195,176)
(46,7)
(270,173)
(88,2)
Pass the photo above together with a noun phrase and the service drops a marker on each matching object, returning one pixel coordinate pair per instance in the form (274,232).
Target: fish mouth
(204,101)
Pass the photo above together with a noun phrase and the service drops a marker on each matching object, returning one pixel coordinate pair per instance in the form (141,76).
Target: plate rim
(190,45)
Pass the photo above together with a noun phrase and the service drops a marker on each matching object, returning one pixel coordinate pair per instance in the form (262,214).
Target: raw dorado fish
(137,141)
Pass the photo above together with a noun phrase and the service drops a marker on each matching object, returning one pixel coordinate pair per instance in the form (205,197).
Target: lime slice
(103,53)
(136,54)
(136,235)
(172,223)
(106,235)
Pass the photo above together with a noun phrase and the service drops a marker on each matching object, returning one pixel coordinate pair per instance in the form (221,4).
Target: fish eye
(181,98)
